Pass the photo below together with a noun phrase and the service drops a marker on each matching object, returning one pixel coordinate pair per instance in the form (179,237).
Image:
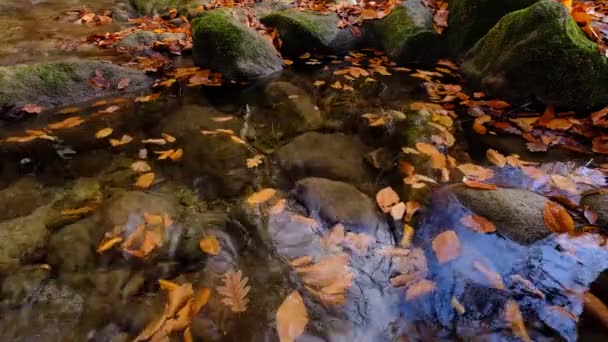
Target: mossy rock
(540,52)
(149,7)
(407,35)
(304,31)
(469,20)
(225,44)
(61,83)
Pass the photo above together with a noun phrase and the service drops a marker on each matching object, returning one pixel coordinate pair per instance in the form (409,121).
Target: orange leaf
(104,133)
(261,196)
(67,123)
(478,185)
(557,218)
(145,181)
(419,289)
(210,245)
(446,246)
(478,223)
(386,199)
(291,317)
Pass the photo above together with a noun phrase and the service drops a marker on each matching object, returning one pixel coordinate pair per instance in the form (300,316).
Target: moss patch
(540,52)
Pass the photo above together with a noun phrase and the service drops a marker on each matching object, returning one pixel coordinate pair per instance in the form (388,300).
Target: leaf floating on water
(69,110)
(261,196)
(318,83)
(557,219)
(125,139)
(168,137)
(67,123)
(148,98)
(419,289)
(386,199)
(291,317)
(141,166)
(478,223)
(234,291)
(154,141)
(210,245)
(145,181)
(104,133)
(446,246)
(255,161)
(107,245)
(496,158)
(514,318)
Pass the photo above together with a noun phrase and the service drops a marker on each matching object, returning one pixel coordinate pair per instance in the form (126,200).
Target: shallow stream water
(69,194)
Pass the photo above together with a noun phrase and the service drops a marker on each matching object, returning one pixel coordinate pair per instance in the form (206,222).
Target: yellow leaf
(145,181)
(261,196)
(408,235)
(69,110)
(106,245)
(104,133)
(291,317)
(168,137)
(167,285)
(210,245)
(255,161)
(67,123)
(177,155)
(234,291)
(386,199)
(125,139)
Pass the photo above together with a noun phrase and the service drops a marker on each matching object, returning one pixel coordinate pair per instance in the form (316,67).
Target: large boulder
(540,52)
(21,198)
(469,20)
(222,42)
(23,240)
(407,35)
(304,31)
(51,84)
(517,214)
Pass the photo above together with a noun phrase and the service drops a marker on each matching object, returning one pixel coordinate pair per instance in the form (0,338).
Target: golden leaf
(167,285)
(475,171)
(104,133)
(125,139)
(514,318)
(261,196)
(419,288)
(169,138)
(496,158)
(255,161)
(291,317)
(565,184)
(145,181)
(69,110)
(557,219)
(108,244)
(446,246)
(210,245)
(67,123)
(234,291)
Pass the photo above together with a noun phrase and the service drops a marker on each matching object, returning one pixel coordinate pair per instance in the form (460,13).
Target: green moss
(540,52)
(469,20)
(407,34)
(307,25)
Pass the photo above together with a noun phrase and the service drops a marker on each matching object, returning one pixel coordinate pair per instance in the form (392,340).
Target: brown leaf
(475,171)
(123,83)
(291,317)
(67,123)
(565,184)
(496,158)
(234,291)
(478,185)
(140,166)
(145,181)
(210,245)
(446,246)
(261,196)
(386,199)
(557,218)
(478,223)
(419,288)
(514,318)
(32,108)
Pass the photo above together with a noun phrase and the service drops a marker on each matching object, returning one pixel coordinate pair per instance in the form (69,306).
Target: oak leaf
(235,291)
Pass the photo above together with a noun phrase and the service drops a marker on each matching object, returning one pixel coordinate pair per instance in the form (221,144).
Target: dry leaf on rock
(32,108)
(478,223)
(210,245)
(419,288)
(386,199)
(475,171)
(557,219)
(496,158)
(478,185)
(446,246)
(328,279)
(261,196)
(291,317)
(234,291)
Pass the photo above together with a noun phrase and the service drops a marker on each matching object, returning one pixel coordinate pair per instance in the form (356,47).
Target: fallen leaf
(557,219)
(67,123)
(493,278)
(457,306)
(123,83)
(478,223)
(125,139)
(408,235)
(234,291)
(145,181)
(446,246)
(478,185)
(140,166)
(261,196)
(210,245)
(591,215)
(32,108)
(514,318)
(419,288)
(107,245)
(104,133)
(69,110)
(565,184)
(154,141)
(255,161)
(496,158)
(334,237)
(386,199)
(291,317)
(475,171)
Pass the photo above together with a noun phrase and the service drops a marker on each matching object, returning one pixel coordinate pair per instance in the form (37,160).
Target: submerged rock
(51,84)
(140,39)
(333,156)
(126,203)
(407,35)
(21,198)
(73,248)
(194,118)
(295,105)
(306,31)
(517,214)
(540,52)
(23,239)
(469,20)
(222,42)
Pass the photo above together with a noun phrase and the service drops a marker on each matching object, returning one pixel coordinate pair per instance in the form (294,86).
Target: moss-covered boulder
(469,20)
(540,52)
(222,42)
(304,31)
(407,35)
(64,82)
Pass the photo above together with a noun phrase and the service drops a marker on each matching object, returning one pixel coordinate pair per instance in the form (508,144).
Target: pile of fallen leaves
(351,14)
(591,16)
(87,16)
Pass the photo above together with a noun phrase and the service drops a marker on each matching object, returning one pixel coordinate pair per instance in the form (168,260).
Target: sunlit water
(69,292)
